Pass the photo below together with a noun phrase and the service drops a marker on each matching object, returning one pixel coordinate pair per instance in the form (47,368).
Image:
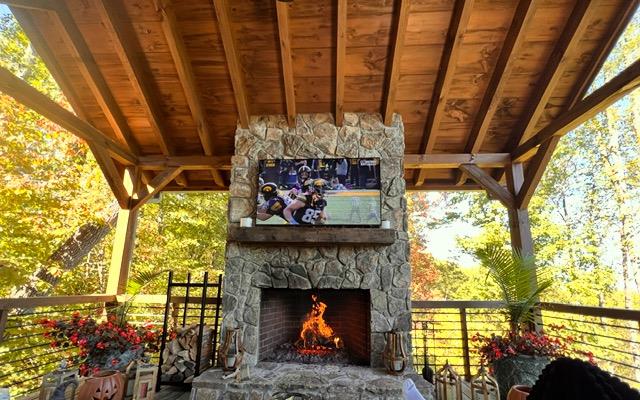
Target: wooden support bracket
(489,184)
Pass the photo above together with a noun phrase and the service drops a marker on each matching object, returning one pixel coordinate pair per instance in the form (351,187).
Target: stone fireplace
(268,284)
(382,270)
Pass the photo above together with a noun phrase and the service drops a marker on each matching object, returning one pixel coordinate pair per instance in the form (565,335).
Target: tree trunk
(67,257)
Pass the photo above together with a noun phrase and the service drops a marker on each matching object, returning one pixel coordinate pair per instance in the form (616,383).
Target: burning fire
(316,336)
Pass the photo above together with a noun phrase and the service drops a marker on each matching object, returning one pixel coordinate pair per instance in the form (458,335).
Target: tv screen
(326,191)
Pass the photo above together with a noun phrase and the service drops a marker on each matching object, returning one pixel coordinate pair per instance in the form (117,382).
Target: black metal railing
(442,331)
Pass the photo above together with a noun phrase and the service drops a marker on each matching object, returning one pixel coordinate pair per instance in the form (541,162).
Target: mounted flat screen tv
(327,191)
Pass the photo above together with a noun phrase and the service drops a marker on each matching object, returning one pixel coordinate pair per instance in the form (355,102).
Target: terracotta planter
(517,370)
(105,385)
(519,392)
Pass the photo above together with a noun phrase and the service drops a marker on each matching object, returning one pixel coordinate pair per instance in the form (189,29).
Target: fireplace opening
(319,326)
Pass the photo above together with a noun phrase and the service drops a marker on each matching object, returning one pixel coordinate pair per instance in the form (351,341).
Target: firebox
(315,326)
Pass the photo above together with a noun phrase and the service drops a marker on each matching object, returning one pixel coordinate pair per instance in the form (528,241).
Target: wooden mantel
(316,235)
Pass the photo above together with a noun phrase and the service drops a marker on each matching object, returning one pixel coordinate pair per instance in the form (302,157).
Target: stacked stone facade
(383,270)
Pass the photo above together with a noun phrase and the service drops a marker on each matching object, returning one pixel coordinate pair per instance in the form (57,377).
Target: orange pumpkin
(105,385)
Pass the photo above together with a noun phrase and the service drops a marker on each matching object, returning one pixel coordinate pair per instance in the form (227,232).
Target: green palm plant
(520,282)
(135,284)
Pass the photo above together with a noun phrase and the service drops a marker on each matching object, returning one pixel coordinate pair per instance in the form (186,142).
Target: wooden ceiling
(174,78)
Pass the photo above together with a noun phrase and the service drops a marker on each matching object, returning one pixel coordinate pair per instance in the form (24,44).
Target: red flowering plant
(530,343)
(111,343)
(102,344)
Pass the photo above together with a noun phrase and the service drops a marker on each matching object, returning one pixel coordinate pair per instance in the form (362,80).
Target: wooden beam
(135,69)
(121,255)
(596,102)
(44,51)
(161,162)
(43,5)
(30,97)
(233,62)
(394,72)
(111,173)
(156,185)
(539,163)
(217,178)
(501,72)
(112,176)
(440,161)
(94,78)
(565,49)
(282,10)
(341,55)
(455,34)
(489,184)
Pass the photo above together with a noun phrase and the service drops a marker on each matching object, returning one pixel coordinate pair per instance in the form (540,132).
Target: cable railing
(26,355)
(441,332)
(609,337)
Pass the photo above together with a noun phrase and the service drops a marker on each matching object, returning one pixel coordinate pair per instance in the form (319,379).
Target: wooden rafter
(136,71)
(233,62)
(455,34)
(539,163)
(30,97)
(156,185)
(565,48)
(341,55)
(591,105)
(489,105)
(489,184)
(282,10)
(457,27)
(94,78)
(185,73)
(394,71)
(501,72)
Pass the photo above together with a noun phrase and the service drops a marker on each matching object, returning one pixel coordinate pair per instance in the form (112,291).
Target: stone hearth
(326,382)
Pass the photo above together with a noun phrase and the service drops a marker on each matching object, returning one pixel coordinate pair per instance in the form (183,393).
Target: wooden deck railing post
(465,343)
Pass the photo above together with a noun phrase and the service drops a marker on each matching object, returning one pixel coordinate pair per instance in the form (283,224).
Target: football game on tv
(334,191)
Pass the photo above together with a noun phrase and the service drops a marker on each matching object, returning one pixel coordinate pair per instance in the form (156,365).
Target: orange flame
(316,334)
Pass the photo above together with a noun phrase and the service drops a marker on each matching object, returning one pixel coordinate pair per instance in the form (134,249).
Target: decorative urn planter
(517,370)
(519,392)
(105,385)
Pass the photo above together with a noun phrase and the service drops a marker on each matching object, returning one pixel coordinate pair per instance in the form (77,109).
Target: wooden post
(465,343)
(520,228)
(4,316)
(124,242)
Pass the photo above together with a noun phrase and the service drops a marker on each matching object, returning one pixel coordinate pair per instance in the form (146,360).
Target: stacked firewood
(179,355)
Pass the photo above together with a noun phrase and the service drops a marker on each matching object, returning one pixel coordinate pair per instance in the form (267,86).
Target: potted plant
(107,344)
(518,356)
